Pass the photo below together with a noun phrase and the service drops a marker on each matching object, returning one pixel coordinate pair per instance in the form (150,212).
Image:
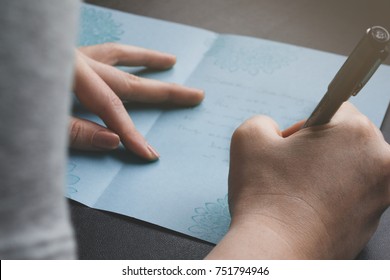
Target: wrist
(257,238)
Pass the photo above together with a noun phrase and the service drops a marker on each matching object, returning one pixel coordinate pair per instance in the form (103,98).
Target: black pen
(361,64)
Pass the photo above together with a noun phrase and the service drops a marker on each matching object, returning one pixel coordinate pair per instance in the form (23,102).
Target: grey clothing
(37,40)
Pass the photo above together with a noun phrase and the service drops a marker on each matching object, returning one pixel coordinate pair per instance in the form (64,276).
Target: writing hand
(314,193)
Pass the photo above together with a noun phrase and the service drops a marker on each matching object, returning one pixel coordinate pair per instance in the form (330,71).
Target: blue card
(186,190)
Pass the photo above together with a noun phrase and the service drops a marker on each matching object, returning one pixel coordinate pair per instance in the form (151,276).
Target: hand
(100,87)
(315,193)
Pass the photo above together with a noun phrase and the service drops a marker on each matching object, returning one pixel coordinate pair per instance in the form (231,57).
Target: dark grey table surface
(329,25)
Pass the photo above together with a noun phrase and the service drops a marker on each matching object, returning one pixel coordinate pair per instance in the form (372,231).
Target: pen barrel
(324,111)
(361,64)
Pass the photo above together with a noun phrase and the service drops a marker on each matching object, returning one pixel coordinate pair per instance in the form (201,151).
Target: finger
(267,126)
(259,128)
(118,54)
(98,97)
(292,129)
(89,136)
(132,88)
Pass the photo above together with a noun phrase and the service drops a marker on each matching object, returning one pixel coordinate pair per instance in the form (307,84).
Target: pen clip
(381,57)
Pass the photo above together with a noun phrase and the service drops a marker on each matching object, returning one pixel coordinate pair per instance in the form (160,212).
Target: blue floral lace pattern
(211,221)
(229,55)
(98,27)
(71,180)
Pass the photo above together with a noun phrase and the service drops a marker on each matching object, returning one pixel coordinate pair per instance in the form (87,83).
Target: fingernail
(154,152)
(201,93)
(105,140)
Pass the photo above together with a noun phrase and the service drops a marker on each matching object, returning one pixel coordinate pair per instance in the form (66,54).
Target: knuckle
(115,102)
(76,129)
(363,128)
(111,52)
(246,129)
(371,143)
(132,77)
(366,124)
(174,85)
(384,158)
(172,91)
(238,135)
(130,87)
(110,46)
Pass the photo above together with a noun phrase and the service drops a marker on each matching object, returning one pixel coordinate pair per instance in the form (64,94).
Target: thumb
(292,129)
(87,135)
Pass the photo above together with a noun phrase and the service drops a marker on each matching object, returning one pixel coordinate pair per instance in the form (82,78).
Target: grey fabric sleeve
(37,40)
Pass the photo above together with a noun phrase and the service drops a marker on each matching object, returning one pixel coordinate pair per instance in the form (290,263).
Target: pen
(361,64)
